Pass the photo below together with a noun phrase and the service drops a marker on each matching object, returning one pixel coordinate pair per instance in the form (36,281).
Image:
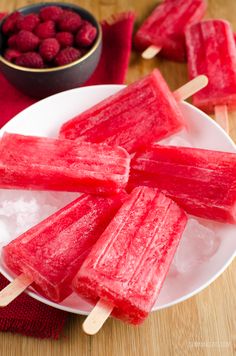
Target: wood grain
(204,325)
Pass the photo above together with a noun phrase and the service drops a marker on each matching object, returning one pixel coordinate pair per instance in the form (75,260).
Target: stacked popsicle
(145,111)
(202,181)
(43,163)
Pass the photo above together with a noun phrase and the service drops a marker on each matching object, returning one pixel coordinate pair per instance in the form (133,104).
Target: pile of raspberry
(52,38)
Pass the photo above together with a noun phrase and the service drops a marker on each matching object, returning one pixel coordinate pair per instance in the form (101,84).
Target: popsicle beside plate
(163,31)
(211,51)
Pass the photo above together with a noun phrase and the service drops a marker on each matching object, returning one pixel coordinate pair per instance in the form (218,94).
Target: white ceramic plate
(45,118)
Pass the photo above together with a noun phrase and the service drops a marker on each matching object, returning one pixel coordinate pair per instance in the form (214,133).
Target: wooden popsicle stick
(221,117)
(190,88)
(97,317)
(151,52)
(15,288)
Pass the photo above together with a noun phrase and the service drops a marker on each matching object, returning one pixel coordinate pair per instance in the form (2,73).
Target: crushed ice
(198,244)
(182,138)
(20,210)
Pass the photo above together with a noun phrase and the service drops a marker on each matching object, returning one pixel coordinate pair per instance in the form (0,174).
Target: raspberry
(35,44)
(69,21)
(49,49)
(11,55)
(45,30)
(85,22)
(10,24)
(86,35)
(65,39)
(12,41)
(67,55)
(28,22)
(50,13)
(26,41)
(30,60)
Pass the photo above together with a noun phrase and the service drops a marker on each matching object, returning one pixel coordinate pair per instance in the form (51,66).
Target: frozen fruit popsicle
(51,252)
(128,264)
(164,29)
(144,112)
(41,163)
(211,51)
(141,113)
(203,182)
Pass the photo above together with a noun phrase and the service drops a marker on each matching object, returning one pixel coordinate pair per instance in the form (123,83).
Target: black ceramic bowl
(40,83)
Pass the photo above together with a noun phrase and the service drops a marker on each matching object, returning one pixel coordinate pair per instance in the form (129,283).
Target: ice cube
(198,244)
(21,210)
(180,139)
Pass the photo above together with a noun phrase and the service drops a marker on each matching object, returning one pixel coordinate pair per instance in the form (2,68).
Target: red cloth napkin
(117,36)
(26,315)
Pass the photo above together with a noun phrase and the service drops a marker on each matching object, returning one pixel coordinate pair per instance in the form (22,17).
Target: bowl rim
(55,69)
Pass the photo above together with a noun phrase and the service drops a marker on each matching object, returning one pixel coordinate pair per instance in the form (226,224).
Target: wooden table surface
(203,325)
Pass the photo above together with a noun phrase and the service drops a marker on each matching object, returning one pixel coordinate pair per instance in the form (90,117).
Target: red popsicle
(212,51)
(128,265)
(51,252)
(143,112)
(163,31)
(43,163)
(202,181)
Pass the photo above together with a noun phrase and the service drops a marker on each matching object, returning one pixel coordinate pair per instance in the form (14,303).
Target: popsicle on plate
(211,51)
(164,29)
(51,252)
(143,112)
(128,264)
(203,182)
(42,163)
